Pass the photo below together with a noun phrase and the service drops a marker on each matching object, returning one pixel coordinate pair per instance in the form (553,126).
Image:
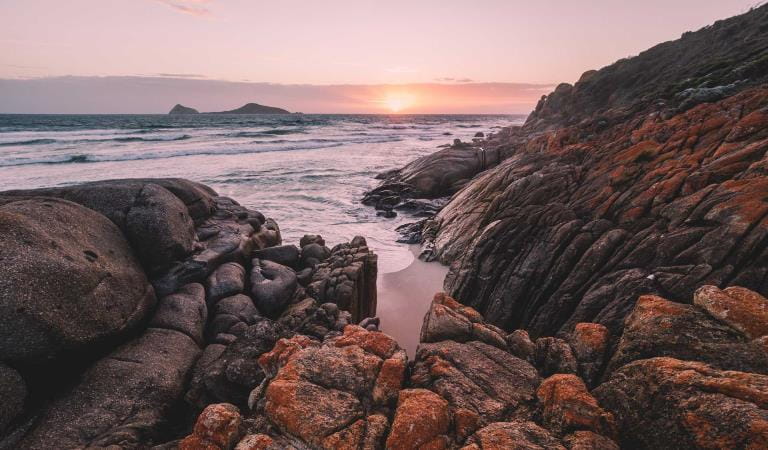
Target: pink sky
(333,42)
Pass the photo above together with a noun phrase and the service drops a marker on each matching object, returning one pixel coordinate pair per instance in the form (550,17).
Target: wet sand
(404,297)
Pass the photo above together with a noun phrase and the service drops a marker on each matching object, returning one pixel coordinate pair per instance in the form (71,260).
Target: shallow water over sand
(405,296)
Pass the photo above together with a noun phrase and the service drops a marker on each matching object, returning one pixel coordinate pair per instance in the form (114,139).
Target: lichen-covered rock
(587,440)
(568,406)
(69,281)
(325,393)
(478,378)
(658,327)
(348,279)
(421,417)
(217,427)
(668,403)
(589,342)
(448,319)
(520,435)
(520,345)
(743,310)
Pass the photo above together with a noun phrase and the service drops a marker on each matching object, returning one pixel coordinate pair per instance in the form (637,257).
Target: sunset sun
(397,102)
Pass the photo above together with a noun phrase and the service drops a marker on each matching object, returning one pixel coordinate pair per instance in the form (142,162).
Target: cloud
(179,75)
(454,80)
(191,7)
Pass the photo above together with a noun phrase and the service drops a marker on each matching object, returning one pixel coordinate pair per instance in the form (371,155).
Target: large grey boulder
(156,215)
(272,286)
(68,280)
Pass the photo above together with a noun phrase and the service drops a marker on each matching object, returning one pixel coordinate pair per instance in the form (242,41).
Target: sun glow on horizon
(396,102)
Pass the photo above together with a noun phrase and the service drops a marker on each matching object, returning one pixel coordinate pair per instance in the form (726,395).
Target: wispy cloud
(179,75)
(191,7)
(454,80)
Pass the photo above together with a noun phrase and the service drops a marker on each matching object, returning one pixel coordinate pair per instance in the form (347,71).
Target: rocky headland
(608,273)
(248,108)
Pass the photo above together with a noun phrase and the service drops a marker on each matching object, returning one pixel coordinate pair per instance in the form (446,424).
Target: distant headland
(248,108)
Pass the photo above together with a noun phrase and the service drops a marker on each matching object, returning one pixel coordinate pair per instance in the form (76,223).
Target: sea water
(307,171)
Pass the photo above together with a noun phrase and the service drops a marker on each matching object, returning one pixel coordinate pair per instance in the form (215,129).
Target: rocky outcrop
(64,288)
(347,278)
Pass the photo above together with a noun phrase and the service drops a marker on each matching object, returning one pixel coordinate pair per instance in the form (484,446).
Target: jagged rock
(668,403)
(658,327)
(348,279)
(520,345)
(589,342)
(567,406)
(13,391)
(322,393)
(229,373)
(217,427)
(69,281)
(272,286)
(184,311)
(513,435)
(553,356)
(741,309)
(268,235)
(320,321)
(420,420)
(226,281)
(486,382)
(447,319)
(286,255)
(123,399)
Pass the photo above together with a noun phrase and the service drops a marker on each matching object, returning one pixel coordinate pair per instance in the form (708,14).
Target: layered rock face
(636,180)
(129,305)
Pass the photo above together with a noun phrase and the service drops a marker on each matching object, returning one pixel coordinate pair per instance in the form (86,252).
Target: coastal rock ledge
(229,339)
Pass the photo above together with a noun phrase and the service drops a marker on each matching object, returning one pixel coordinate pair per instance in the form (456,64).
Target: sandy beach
(404,297)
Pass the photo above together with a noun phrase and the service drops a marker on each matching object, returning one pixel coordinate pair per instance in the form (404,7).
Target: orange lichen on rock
(740,308)
(421,416)
(568,406)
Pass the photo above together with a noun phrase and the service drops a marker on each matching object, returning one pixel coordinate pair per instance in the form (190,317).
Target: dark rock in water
(228,374)
(272,286)
(181,109)
(69,281)
(479,134)
(226,281)
(13,391)
(668,403)
(123,399)
(348,279)
(254,108)
(387,213)
(185,311)
(287,255)
(410,233)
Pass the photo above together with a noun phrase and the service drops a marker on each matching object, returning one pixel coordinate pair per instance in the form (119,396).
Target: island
(248,108)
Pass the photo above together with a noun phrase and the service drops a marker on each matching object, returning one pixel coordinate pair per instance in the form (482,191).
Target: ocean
(307,171)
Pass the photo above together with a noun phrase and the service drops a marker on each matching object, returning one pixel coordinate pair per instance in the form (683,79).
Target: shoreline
(404,297)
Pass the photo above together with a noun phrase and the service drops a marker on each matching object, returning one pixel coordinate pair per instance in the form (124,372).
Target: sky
(411,56)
